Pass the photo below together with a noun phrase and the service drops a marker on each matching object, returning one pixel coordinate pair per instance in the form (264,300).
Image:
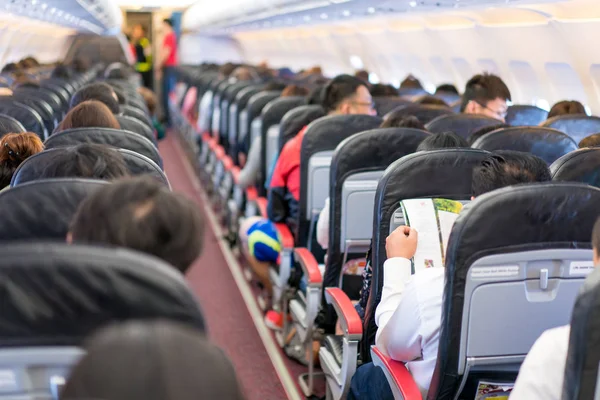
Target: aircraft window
(488,65)
(374,78)
(543,104)
(429,87)
(565,82)
(588,110)
(356,62)
(443,73)
(463,68)
(525,86)
(396,82)
(595,73)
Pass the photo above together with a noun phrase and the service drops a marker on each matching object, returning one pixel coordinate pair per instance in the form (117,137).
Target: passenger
(251,168)
(410,82)
(430,100)
(93,161)
(274,85)
(363,75)
(381,90)
(14,149)
(143,55)
(397,119)
(484,131)
(80,65)
(486,95)
(89,114)
(141,214)
(151,101)
(10,68)
(443,140)
(225,70)
(542,373)
(590,141)
(156,360)
(315,97)
(567,108)
(167,62)
(97,91)
(62,72)
(446,88)
(244,74)
(409,313)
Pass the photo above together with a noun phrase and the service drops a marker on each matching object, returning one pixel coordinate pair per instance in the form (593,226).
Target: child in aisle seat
(150,99)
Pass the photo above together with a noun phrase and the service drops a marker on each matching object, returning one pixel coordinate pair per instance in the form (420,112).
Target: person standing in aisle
(143,55)
(167,62)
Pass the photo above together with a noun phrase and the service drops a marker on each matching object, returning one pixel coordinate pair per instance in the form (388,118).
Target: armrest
(235,173)
(287,239)
(347,315)
(309,265)
(401,381)
(251,193)
(261,203)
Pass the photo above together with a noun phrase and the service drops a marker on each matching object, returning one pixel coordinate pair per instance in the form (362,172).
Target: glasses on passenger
(500,114)
(371,105)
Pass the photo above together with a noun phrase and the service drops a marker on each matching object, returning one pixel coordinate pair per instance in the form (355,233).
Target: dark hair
(484,88)
(430,100)
(410,82)
(315,96)
(397,119)
(381,90)
(446,88)
(506,168)
(341,88)
(80,65)
(141,214)
(89,114)
(274,85)
(27,84)
(100,91)
(14,149)
(596,237)
(226,69)
(362,75)
(149,98)
(89,160)
(590,141)
(159,360)
(294,90)
(168,21)
(484,131)
(10,67)
(443,140)
(567,107)
(62,71)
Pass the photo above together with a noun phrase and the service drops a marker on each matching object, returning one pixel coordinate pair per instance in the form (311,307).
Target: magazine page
(493,390)
(447,212)
(420,214)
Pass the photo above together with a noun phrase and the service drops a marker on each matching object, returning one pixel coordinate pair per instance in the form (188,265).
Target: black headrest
(424,112)
(325,134)
(372,150)
(384,105)
(427,174)
(576,126)
(461,124)
(136,113)
(134,125)
(9,124)
(31,168)
(548,215)
(582,165)
(58,294)
(296,119)
(42,209)
(524,115)
(548,144)
(120,139)
(583,356)
(245,95)
(31,119)
(257,102)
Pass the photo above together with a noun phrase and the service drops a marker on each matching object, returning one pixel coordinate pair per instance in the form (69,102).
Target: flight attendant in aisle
(167,62)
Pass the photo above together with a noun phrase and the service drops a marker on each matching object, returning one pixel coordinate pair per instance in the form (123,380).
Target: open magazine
(433,220)
(493,390)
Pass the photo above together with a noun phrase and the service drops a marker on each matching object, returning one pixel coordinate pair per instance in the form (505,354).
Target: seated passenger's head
(294,90)
(62,72)
(381,90)
(410,82)
(566,108)
(10,68)
(92,161)
(444,140)
(99,91)
(590,141)
(243,74)
(152,360)
(225,70)
(430,100)
(398,120)
(89,114)
(446,88)
(14,149)
(347,94)
(363,75)
(507,168)
(484,131)
(143,215)
(274,85)
(149,98)
(487,95)
(315,96)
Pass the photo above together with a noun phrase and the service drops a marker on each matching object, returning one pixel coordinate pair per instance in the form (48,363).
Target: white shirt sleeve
(250,171)
(542,373)
(323,226)
(397,316)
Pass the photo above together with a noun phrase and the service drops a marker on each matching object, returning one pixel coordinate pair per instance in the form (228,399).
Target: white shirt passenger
(542,373)
(323,226)
(409,317)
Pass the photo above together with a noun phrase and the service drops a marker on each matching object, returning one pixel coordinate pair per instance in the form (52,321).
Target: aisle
(229,321)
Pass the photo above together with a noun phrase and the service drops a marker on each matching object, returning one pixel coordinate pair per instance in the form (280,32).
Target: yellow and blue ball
(264,242)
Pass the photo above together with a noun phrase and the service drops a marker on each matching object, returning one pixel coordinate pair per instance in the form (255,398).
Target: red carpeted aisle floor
(229,321)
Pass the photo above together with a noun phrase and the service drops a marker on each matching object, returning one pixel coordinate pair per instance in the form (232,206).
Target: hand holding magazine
(433,220)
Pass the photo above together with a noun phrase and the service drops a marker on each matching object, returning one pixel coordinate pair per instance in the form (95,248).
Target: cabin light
(307,18)
(543,104)
(396,83)
(373,78)
(52,10)
(412,4)
(324,16)
(346,13)
(588,110)
(371,10)
(429,87)
(356,62)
